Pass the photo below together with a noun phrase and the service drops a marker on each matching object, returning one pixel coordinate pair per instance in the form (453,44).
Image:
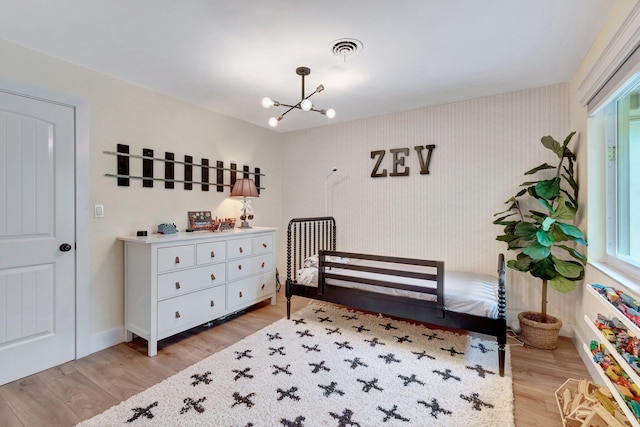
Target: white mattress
(471,293)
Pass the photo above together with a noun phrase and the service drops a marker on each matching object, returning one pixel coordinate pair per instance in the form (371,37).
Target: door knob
(65,247)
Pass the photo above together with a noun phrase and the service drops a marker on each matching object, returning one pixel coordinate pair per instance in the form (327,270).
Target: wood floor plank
(64,395)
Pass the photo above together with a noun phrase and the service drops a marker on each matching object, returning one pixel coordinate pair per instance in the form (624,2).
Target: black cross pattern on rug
(344,420)
(342,345)
(299,321)
(243,354)
(279,369)
(388,326)
(350,317)
(291,393)
(319,310)
(305,333)
(373,342)
(333,331)
(295,423)
(317,367)
(325,319)
(392,413)
(422,354)
(477,402)
(330,389)
(402,339)
(361,329)
(452,351)
(483,348)
(309,348)
(142,412)
(435,408)
(370,385)
(240,399)
(201,378)
(388,358)
(433,336)
(190,404)
(410,380)
(279,350)
(481,371)
(271,337)
(241,374)
(356,362)
(446,375)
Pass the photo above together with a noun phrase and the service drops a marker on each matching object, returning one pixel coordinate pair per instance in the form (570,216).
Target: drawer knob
(177,314)
(177,285)
(212,303)
(239,266)
(240,294)
(262,264)
(213,254)
(241,249)
(177,260)
(263,285)
(213,276)
(264,245)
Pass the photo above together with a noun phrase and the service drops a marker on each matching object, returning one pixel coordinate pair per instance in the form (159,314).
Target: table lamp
(245,188)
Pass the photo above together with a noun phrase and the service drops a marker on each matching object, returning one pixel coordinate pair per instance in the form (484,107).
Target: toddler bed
(408,288)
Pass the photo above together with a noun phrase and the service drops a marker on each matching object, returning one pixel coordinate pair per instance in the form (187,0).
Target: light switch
(98,211)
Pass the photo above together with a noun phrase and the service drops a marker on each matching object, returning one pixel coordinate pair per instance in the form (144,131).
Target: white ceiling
(225,55)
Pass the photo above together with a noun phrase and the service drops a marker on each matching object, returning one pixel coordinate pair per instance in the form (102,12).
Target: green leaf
(545,238)
(568,269)
(574,253)
(570,230)
(526,230)
(563,212)
(543,269)
(523,263)
(546,224)
(548,189)
(543,166)
(537,251)
(562,284)
(546,204)
(553,145)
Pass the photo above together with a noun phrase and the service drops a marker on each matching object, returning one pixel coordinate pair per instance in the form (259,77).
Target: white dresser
(179,281)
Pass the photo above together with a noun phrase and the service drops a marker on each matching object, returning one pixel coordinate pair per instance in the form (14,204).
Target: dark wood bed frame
(310,236)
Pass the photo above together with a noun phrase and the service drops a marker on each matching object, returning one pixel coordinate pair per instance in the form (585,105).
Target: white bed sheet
(471,293)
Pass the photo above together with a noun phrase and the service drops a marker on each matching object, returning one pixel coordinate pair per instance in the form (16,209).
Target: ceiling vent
(345,47)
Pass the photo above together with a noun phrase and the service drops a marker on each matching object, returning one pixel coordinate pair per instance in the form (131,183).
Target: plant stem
(544,301)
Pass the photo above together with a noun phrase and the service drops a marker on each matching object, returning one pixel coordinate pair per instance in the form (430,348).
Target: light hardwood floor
(78,390)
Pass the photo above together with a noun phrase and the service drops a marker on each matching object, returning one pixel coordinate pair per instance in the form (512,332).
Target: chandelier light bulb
(273,122)
(306,105)
(331,113)
(267,102)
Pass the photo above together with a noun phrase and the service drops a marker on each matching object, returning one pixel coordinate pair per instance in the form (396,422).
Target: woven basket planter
(538,334)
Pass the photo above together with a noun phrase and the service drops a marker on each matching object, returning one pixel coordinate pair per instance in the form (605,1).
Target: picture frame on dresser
(199,220)
(178,282)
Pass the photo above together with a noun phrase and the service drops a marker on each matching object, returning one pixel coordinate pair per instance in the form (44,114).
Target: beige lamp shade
(244,187)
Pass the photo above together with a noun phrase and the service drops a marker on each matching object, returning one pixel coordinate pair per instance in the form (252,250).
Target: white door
(37,280)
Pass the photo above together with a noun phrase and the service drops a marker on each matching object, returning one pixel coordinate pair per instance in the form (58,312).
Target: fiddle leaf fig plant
(538,224)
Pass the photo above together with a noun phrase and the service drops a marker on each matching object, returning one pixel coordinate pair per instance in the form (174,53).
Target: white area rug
(331,367)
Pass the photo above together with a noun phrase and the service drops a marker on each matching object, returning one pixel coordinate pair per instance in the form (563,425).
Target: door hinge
(611,153)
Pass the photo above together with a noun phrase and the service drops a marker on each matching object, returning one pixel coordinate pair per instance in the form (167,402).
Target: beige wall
(120,112)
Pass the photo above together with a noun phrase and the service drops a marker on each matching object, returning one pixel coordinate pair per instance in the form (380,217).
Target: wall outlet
(98,211)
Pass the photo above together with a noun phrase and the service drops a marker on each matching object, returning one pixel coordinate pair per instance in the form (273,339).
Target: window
(620,118)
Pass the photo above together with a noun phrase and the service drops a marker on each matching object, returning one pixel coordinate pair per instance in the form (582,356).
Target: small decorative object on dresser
(199,220)
(174,284)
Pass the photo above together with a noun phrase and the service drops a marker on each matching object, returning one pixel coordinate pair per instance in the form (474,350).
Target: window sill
(623,278)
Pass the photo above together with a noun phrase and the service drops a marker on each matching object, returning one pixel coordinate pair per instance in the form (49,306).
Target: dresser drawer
(181,282)
(239,247)
(207,253)
(250,289)
(262,244)
(191,308)
(175,257)
(263,263)
(241,267)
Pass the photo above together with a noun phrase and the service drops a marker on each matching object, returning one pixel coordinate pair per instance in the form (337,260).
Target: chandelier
(305,104)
